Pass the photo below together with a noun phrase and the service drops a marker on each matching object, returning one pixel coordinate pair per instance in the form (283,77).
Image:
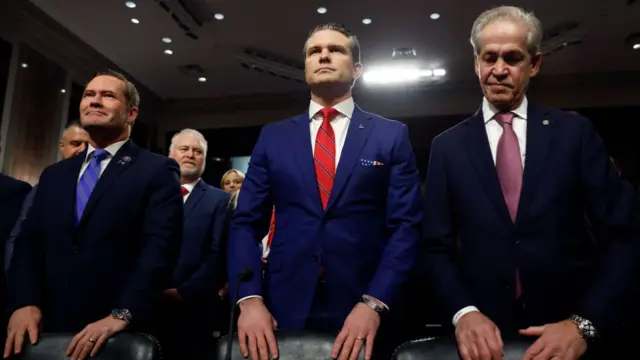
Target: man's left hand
(360,326)
(93,337)
(560,341)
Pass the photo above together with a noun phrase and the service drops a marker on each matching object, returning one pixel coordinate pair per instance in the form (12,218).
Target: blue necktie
(88,181)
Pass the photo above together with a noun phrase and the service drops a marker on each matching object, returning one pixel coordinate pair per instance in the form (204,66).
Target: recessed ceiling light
(435,16)
(130,4)
(24,65)
(168,52)
(202,79)
(135,21)
(166,40)
(636,46)
(63,91)
(322,10)
(219,16)
(366,21)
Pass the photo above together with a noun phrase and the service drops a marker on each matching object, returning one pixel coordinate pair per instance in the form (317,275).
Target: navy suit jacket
(8,246)
(120,255)
(474,248)
(366,238)
(201,269)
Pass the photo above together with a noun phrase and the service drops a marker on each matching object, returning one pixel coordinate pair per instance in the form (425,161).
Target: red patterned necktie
(324,155)
(185,191)
(509,167)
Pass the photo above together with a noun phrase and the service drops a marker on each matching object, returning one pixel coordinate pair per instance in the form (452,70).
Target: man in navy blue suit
(346,192)
(99,244)
(201,267)
(506,194)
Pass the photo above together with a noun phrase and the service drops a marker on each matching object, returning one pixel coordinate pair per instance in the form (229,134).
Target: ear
(132,115)
(357,70)
(536,63)
(476,65)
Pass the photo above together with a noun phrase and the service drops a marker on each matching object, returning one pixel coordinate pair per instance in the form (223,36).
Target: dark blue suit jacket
(120,255)
(8,246)
(366,238)
(201,269)
(567,172)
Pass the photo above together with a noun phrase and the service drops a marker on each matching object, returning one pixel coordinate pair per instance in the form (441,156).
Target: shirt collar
(345,107)
(190,186)
(111,149)
(489,111)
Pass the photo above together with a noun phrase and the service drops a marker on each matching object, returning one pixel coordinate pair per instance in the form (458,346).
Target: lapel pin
(361,126)
(545,122)
(124,160)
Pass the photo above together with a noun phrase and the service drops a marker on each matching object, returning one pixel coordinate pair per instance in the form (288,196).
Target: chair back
(446,349)
(122,346)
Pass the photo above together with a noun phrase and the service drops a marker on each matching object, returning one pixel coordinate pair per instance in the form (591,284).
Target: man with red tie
(346,189)
(506,195)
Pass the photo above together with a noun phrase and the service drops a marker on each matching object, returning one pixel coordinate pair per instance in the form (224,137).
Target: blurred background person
(232,180)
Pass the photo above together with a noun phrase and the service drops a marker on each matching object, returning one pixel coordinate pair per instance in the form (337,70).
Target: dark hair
(130,92)
(354,45)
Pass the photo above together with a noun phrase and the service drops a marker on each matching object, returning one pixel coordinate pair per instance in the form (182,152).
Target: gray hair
(354,45)
(511,14)
(196,133)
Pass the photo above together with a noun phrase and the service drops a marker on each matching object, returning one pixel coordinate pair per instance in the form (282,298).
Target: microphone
(243,276)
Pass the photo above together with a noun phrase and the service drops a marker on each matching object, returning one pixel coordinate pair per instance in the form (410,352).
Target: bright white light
(636,46)
(166,40)
(130,4)
(63,91)
(24,65)
(366,21)
(439,72)
(202,79)
(435,16)
(398,75)
(135,21)
(168,52)
(219,16)
(322,10)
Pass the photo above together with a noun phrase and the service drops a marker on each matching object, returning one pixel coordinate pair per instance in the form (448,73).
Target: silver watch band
(585,327)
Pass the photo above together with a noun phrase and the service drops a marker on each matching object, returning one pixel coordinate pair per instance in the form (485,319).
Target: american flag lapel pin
(360,126)
(124,160)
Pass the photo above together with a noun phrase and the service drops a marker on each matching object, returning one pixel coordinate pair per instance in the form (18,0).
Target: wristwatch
(586,329)
(122,314)
(377,308)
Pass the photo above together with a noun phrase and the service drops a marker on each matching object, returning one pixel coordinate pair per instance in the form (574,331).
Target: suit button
(74,248)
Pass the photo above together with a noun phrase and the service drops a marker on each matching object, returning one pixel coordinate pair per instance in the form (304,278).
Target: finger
(499,337)
(346,347)
(337,345)
(274,323)
(494,345)
(86,349)
(546,354)
(464,352)
(533,330)
(262,347)
(253,347)
(100,343)
(18,340)
(534,349)
(368,351)
(74,341)
(357,347)
(272,343)
(242,341)
(8,344)
(80,346)
(483,348)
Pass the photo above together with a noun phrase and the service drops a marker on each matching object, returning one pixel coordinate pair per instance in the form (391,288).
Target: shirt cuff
(248,297)
(376,300)
(462,312)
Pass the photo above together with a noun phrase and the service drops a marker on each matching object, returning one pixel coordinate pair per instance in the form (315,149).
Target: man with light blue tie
(345,187)
(99,244)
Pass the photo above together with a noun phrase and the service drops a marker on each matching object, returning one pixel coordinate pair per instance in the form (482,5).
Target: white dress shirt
(111,149)
(189,187)
(494,131)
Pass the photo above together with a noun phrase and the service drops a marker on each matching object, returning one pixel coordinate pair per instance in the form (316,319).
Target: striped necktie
(324,156)
(88,181)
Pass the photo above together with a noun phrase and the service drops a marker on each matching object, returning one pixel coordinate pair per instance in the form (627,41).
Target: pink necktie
(509,167)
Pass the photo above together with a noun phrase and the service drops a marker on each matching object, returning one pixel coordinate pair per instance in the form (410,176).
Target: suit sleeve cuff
(248,297)
(464,311)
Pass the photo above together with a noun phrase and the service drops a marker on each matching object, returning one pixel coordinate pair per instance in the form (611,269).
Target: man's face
(328,59)
(504,65)
(188,151)
(73,142)
(104,104)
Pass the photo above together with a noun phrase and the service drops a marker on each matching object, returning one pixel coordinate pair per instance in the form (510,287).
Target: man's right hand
(478,338)
(256,325)
(24,320)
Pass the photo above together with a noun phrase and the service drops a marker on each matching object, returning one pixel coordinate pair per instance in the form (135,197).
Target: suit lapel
(479,152)
(303,152)
(359,129)
(120,161)
(194,198)
(539,131)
